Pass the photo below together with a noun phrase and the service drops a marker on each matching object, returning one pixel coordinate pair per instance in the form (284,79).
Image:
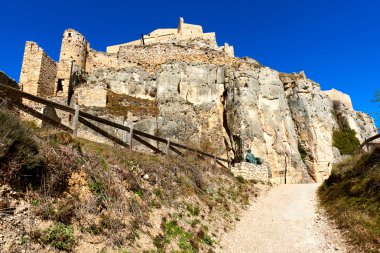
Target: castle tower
(38,71)
(72,60)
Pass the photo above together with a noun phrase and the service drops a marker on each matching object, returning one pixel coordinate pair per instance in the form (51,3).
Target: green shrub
(240,179)
(60,236)
(302,151)
(345,140)
(193,210)
(96,187)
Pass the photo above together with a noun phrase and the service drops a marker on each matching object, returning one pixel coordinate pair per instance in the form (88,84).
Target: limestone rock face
(312,115)
(189,101)
(339,96)
(227,107)
(258,117)
(362,123)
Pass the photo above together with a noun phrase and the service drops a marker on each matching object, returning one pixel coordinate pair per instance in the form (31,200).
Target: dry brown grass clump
(20,158)
(121,104)
(351,195)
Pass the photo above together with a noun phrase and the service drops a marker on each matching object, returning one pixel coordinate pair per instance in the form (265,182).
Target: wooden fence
(368,141)
(83,117)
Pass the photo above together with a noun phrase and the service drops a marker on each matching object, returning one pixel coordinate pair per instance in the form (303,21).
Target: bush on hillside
(19,152)
(345,140)
(351,196)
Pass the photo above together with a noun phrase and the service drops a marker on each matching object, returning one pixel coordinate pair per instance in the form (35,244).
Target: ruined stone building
(40,75)
(179,84)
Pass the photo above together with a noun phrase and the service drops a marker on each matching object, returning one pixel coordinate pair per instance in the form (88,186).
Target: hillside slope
(351,196)
(60,193)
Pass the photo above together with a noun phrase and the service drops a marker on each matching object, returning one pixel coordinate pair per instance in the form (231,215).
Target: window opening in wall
(59,85)
(69,34)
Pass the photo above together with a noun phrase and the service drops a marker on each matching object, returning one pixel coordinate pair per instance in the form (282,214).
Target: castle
(180,85)
(41,76)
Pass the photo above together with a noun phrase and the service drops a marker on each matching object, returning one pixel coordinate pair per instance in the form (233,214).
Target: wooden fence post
(75,120)
(125,133)
(130,136)
(167,146)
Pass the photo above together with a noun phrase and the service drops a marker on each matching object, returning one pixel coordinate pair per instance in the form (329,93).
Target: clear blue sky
(336,42)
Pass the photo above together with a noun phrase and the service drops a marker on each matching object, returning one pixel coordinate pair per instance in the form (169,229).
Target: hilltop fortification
(177,83)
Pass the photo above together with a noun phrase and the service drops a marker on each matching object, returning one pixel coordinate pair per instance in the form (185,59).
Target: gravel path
(284,220)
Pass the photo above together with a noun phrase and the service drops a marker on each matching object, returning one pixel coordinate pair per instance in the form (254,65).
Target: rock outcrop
(229,108)
(189,90)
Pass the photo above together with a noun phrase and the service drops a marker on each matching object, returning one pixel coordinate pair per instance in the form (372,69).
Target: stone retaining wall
(251,171)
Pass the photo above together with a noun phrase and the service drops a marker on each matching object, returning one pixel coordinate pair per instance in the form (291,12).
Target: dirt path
(286,219)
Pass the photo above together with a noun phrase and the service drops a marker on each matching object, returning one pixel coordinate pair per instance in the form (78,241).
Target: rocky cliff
(225,105)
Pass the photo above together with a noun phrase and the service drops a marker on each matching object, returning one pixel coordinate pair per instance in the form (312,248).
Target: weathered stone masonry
(40,75)
(38,71)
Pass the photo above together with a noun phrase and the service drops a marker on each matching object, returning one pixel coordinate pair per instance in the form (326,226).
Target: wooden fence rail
(366,142)
(83,118)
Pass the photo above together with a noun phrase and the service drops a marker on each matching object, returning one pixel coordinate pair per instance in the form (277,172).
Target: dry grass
(109,193)
(351,196)
(20,159)
(121,104)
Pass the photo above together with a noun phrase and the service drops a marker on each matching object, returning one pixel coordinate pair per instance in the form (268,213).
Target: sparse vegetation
(302,151)
(186,241)
(120,104)
(351,196)
(95,190)
(60,236)
(19,152)
(345,140)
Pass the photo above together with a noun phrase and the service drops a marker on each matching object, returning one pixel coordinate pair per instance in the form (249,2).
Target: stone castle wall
(47,76)
(31,67)
(152,57)
(38,71)
(185,33)
(41,75)
(74,50)
(96,60)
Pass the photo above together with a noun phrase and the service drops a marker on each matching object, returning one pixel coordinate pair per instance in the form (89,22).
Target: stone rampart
(48,72)
(152,57)
(185,34)
(97,60)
